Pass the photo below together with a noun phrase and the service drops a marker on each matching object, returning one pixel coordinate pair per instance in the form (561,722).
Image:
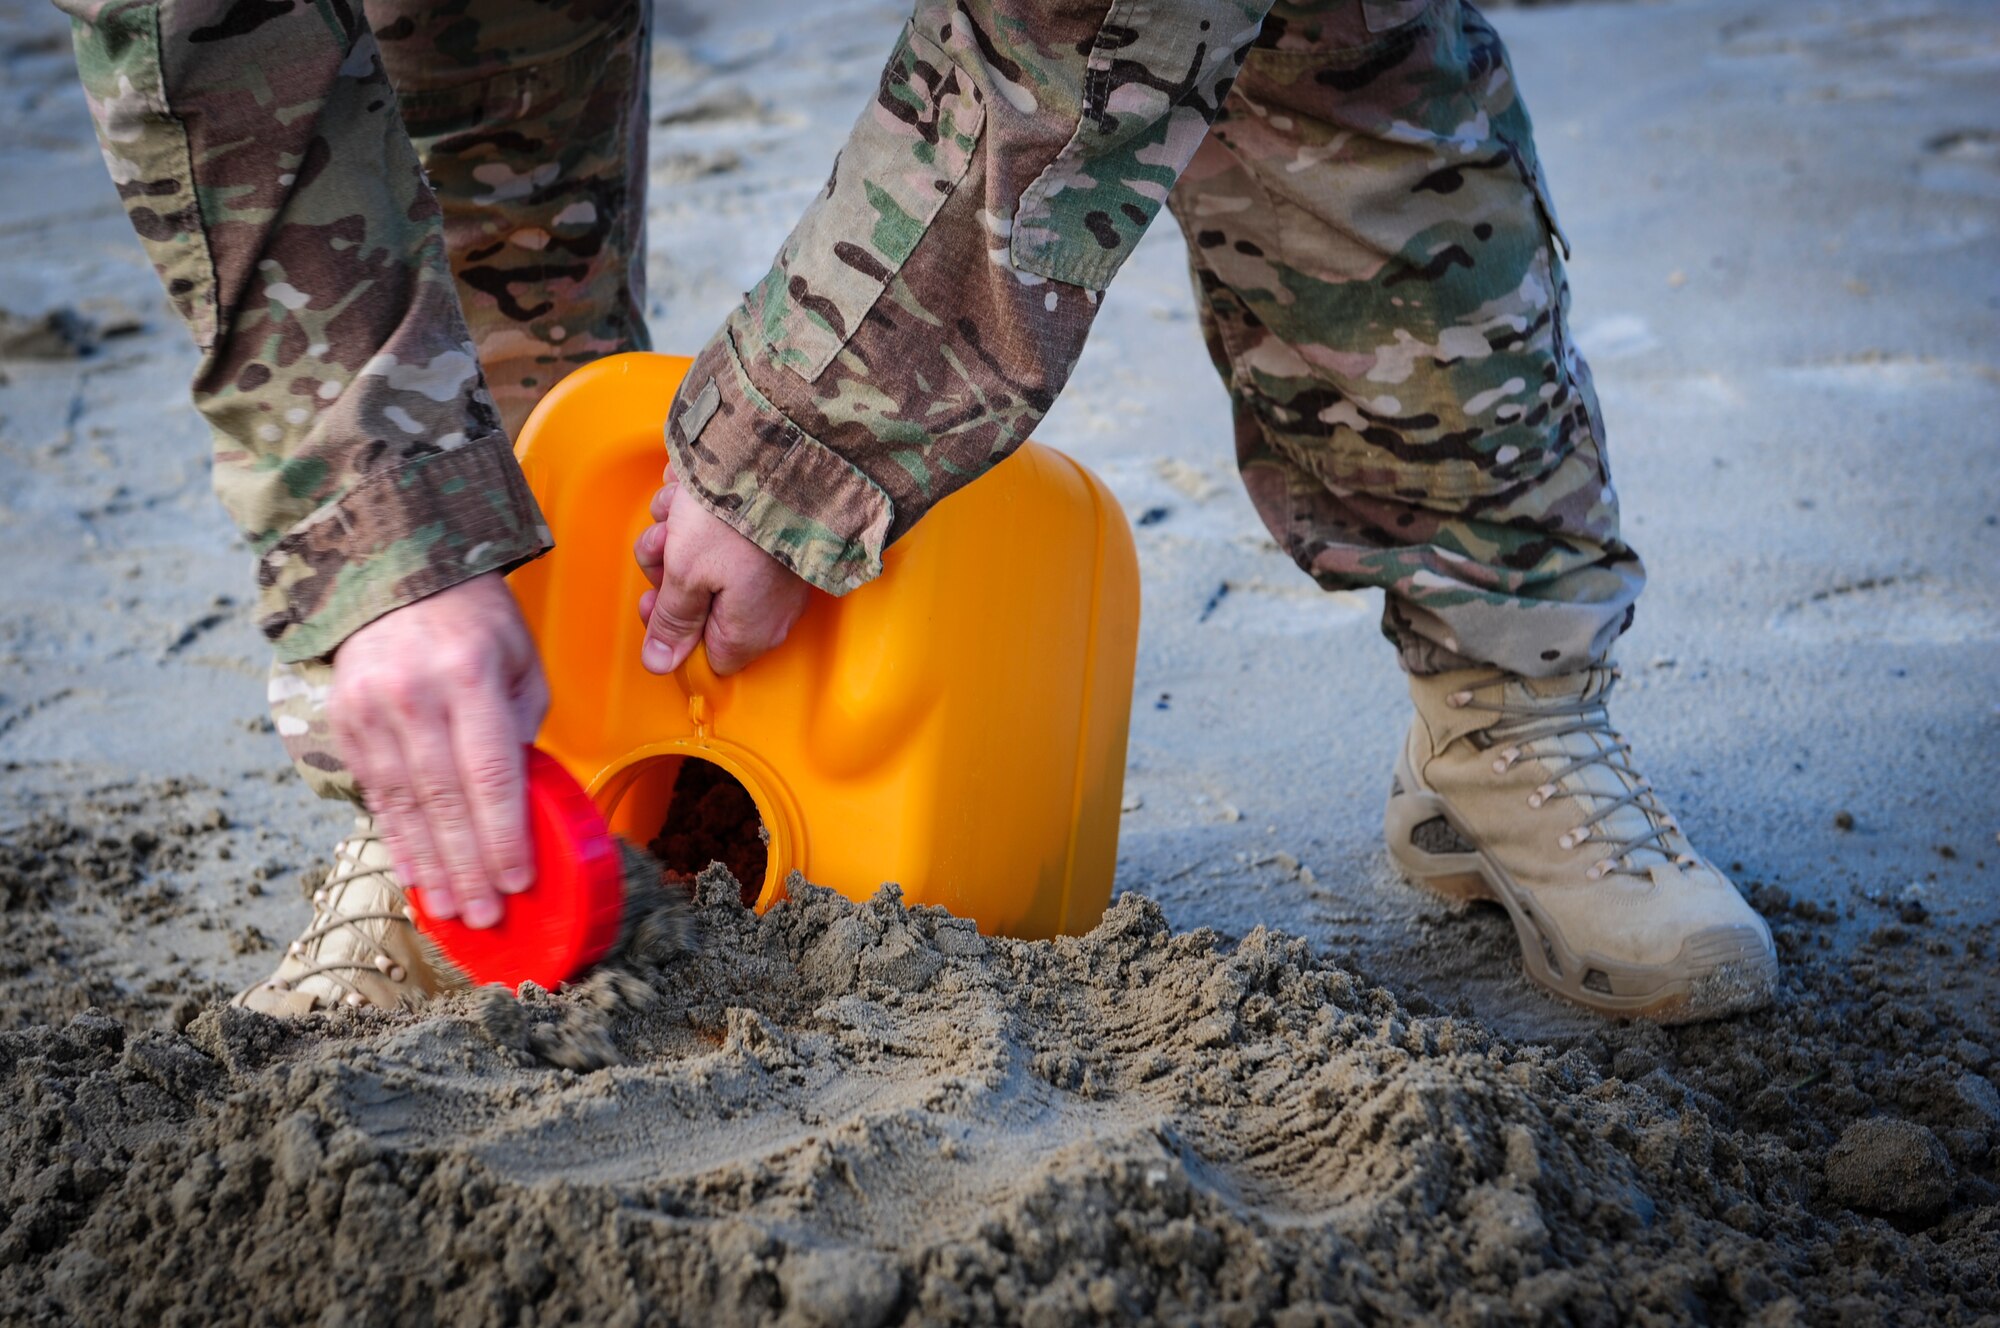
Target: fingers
(743,624)
(368,728)
(489,761)
(365,735)
(674,626)
(446,807)
(650,550)
(651,544)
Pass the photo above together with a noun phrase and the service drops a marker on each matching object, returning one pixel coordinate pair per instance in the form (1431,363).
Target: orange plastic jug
(956,726)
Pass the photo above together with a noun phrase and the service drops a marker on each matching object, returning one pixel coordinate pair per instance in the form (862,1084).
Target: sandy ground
(1783,218)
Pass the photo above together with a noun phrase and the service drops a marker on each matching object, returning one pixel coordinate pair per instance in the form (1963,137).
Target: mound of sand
(860,1114)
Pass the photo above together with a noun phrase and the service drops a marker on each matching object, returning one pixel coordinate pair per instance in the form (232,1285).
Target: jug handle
(698,680)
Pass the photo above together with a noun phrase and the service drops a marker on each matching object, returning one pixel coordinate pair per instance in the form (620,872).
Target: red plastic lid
(569,918)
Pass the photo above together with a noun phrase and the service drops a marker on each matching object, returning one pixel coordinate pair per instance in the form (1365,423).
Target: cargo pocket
(1387,15)
(1150,88)
(906,154)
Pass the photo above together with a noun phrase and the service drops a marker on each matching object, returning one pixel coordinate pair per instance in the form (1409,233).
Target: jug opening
(688,813)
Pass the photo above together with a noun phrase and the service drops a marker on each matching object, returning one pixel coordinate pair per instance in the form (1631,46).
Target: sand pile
(858,1114)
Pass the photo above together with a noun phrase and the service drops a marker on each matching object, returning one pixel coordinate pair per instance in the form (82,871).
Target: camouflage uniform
(285,203)
(1381,284)
(1372,244)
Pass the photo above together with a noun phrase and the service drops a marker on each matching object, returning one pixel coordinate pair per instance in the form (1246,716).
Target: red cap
(569,918)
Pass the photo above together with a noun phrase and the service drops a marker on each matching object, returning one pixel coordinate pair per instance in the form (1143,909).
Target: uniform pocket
(1150,88)
(1388,15)
(906,154)
(1331,28)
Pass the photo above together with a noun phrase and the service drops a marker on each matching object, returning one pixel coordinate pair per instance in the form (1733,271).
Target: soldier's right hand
(432,707)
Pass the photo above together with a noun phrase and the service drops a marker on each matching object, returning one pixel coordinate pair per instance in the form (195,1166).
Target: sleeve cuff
(775,484)
(404,532)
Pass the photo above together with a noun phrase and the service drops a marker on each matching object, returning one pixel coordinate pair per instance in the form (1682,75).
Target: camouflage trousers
(530,121)
(1374,252)
(1381,286)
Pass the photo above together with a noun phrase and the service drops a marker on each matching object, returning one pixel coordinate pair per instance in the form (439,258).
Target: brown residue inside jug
(712,818)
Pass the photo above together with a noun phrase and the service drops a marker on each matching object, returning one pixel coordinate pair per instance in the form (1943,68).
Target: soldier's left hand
(711,586)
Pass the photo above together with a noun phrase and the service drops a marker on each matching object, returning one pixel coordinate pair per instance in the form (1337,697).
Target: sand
(1782,216)
(859,1114)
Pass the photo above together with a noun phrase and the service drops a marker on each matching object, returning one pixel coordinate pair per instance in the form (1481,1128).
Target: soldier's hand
(710,585)
(432,705)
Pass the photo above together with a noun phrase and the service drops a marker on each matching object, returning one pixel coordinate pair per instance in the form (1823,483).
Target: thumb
(680,612)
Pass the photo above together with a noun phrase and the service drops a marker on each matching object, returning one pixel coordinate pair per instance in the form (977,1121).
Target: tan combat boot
(361,947)
(1518,790)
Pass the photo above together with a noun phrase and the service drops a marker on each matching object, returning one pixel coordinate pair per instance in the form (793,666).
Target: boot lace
(362,953)
(1523,726)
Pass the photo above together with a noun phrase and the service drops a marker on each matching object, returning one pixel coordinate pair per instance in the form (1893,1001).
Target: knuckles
(491,778)
(364,692)
(463,666)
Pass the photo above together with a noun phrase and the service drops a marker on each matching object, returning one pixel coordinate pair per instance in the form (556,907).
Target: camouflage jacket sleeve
(259,154)
(928,308)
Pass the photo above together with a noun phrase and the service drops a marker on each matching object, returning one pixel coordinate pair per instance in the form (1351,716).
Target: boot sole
(1718,972)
